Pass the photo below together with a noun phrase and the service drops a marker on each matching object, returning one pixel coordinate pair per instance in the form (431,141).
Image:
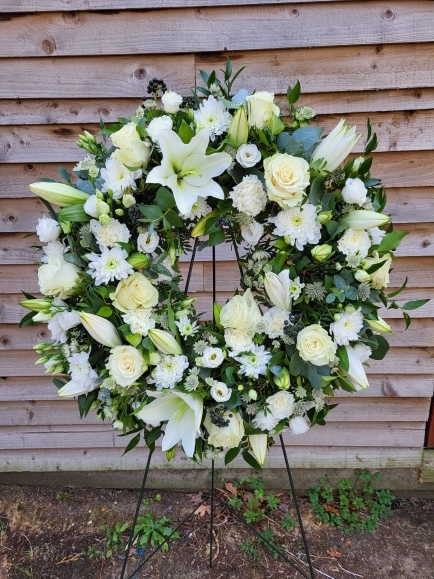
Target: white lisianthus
(157,125)
(298,425)
(83,376)
(260,108)
(315,345)
(58,277)
(118,178)
(212,357)
(169,371)
(286,179)
(376,234)
(241,312)
(96,207)
(171,102)
(255,362)
(274,321)
(60,323)
(363,351)
(265,421)
(186,327)
(227,436)
(134,292)
(354,241)
(110,265)
(108,235)
(126,365)
(47,229)
(346,329)
(252,233)
(148,243)
(249,196)
(220,392)
(238,341)
(336,146)
(281,404)
(200,208)
(277,288)
(354,191)
(132,151)
(379,279)
(139,320)
(299,224)
(248,156)
(213,116)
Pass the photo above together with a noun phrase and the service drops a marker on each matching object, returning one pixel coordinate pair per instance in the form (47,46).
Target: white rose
(362,350)
(228,436)
(265,422)
(126,365)
(47,229)
(134,292)
(354,241)
(96,207)
(241,312)
(238,341)
(220,392)
(132,151)
(171,102)
(148,243)
(212,357)
(354,191)
(248,156)
(286,178)
(380,278)
(260,107)
(58,278)
(298,425)
(157,125)
(60,323)
(252,233)
(281,404)
(249,196)
(315,345)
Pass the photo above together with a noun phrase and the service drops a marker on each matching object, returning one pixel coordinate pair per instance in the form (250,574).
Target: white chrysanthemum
(108,235)
(118,178)
(139,320)
(157,125)
(295,288)
(238,341)
(186,327)
(199,209)
(168,371)
(60,323)
(299,224)
(265,422)
(274,321)
(376,234)
(108,266)
(249,196)
(255,363)
(47,229)
(354,241)
(212,115)
(81,371)
(148,243)
(347,328)
(54,251)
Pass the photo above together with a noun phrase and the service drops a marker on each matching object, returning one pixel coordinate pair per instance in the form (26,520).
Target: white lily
(378,325)
(362,219)
(165,342)
(187,170)
(258,443)
(101,330)
(183,413)
(356,373)
(336,146)
(277,288)
(73,388)
(59,193)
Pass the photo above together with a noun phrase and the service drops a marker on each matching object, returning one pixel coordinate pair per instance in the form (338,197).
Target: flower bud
(36,305)
(172,255)
(99,194)
(349,309)
(336,146)
(104,219)
(199,228)
(239,129)
(119,212)
(324,216)
(128,200)
(277,288)
(337,317)
(362,275)
(58,193)
(165,342)
(101,330)
(362,219)
(258,444)
(42,316)
(283,380)
(186,303)
(154,358)
(252,394)
(138,260)
(240,388)
(180,313)
(379,325)
(321,252)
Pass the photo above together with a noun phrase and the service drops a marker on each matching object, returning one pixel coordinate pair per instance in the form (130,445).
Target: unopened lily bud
(104,219)
(165,342)
(186,303)
(238,131)
(128,200)
(43,316)
(379,325)
(363,219)
(199,228)
(283,380)
(172,255)
(259,444)
(362,275)
(59,193)
(252,394)
(179,314)
(101,330)
(324,216)
(321,252)
(36,305)
(138,260)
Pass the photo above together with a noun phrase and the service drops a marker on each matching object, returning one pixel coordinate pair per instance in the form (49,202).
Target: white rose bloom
(298,425)
(315,345)
(132,151)
(260,108)
(118,178)
(139,320)
(354,191)
(58,278)
(227,436)
(347,328)
(249,196)
(200,208)
(220,392)
(47,229)
(96,207)
(169,371)
(212,115)
(126,365)
(376,234)
(281,404)
(265,422)
(148,243)
(363,351)
(274,321)
(299,224)
(60,323)
(354,241)
(108,235)
(134,292)
(171,102)
(241,312)
(286,179)
(212,357)
(238,341)
(252,233)
(157,125)
(248,156)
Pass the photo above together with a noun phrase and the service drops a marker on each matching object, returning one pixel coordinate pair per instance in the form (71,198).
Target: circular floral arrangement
(312,248)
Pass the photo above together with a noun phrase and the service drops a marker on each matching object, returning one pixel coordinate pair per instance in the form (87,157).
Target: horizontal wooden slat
(169,31)
(108,459)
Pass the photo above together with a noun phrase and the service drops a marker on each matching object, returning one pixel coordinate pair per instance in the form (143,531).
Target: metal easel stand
(213,496)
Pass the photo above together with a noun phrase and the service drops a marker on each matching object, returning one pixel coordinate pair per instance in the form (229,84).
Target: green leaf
(174,219)
(134,339)
(216,238)
(376,266)
(391,241)
(132,444)
(296,364)
(126,246)
(104,312)
(231,454)
(310,372)
(332,227)
(151,212)
(342,354)
(308,136)
(164,199)
(407,320)
(381,351)
(294,93)
(74,213)
(58,383)
(287,144)
(185,132)
(316,191)
(398,291)
(414,304)
(251,460)
(64,174)
(27,320)
(340,283)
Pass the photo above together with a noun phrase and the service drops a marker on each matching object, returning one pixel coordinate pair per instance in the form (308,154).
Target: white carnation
(148,243)
(248,156)
(354,241)
(252,233)
(47,229)
(376,234)
(108,235)
(54,251)
(157,125)
(60,323)
(82,373)
(299,224)
(281,404)
(249,196)
(347,328)
(168,371)
(238,341)
(118,178)
(139,320)
(212,115)
(265,422)
(274,321)
(354,191)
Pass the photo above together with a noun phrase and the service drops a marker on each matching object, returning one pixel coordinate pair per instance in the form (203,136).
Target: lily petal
(185,195)
(207,167)
(160,409)
(73,389)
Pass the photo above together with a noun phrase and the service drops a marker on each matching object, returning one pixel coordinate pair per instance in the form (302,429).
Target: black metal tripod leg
(211,524)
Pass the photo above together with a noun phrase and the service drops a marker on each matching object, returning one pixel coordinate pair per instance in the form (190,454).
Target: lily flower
(336,146)
(258,443)
(101,330)
(356,373)
(183,413)
(187,170)
(75,388)
(59,193)
(277,288)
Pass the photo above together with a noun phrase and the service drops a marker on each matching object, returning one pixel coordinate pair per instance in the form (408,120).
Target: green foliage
(352,506)
(150,531)
(249,548)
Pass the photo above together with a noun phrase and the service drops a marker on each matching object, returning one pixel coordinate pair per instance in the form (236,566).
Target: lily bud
(188,302)
(362,219)
(336,146)
(138,260)
(165,342)
(283,380)
(199,228)
(258,444)
(324,216)
(172,255)
(128,200)
(42,316)
(36,305)
(99,194)
(101,330)
(379,325)
(356,373)
(239,129)
(180,313)
(322,252)
(277,288)
(59,193)
(361,275)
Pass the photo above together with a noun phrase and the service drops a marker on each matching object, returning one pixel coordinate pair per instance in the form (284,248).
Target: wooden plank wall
(65,65)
